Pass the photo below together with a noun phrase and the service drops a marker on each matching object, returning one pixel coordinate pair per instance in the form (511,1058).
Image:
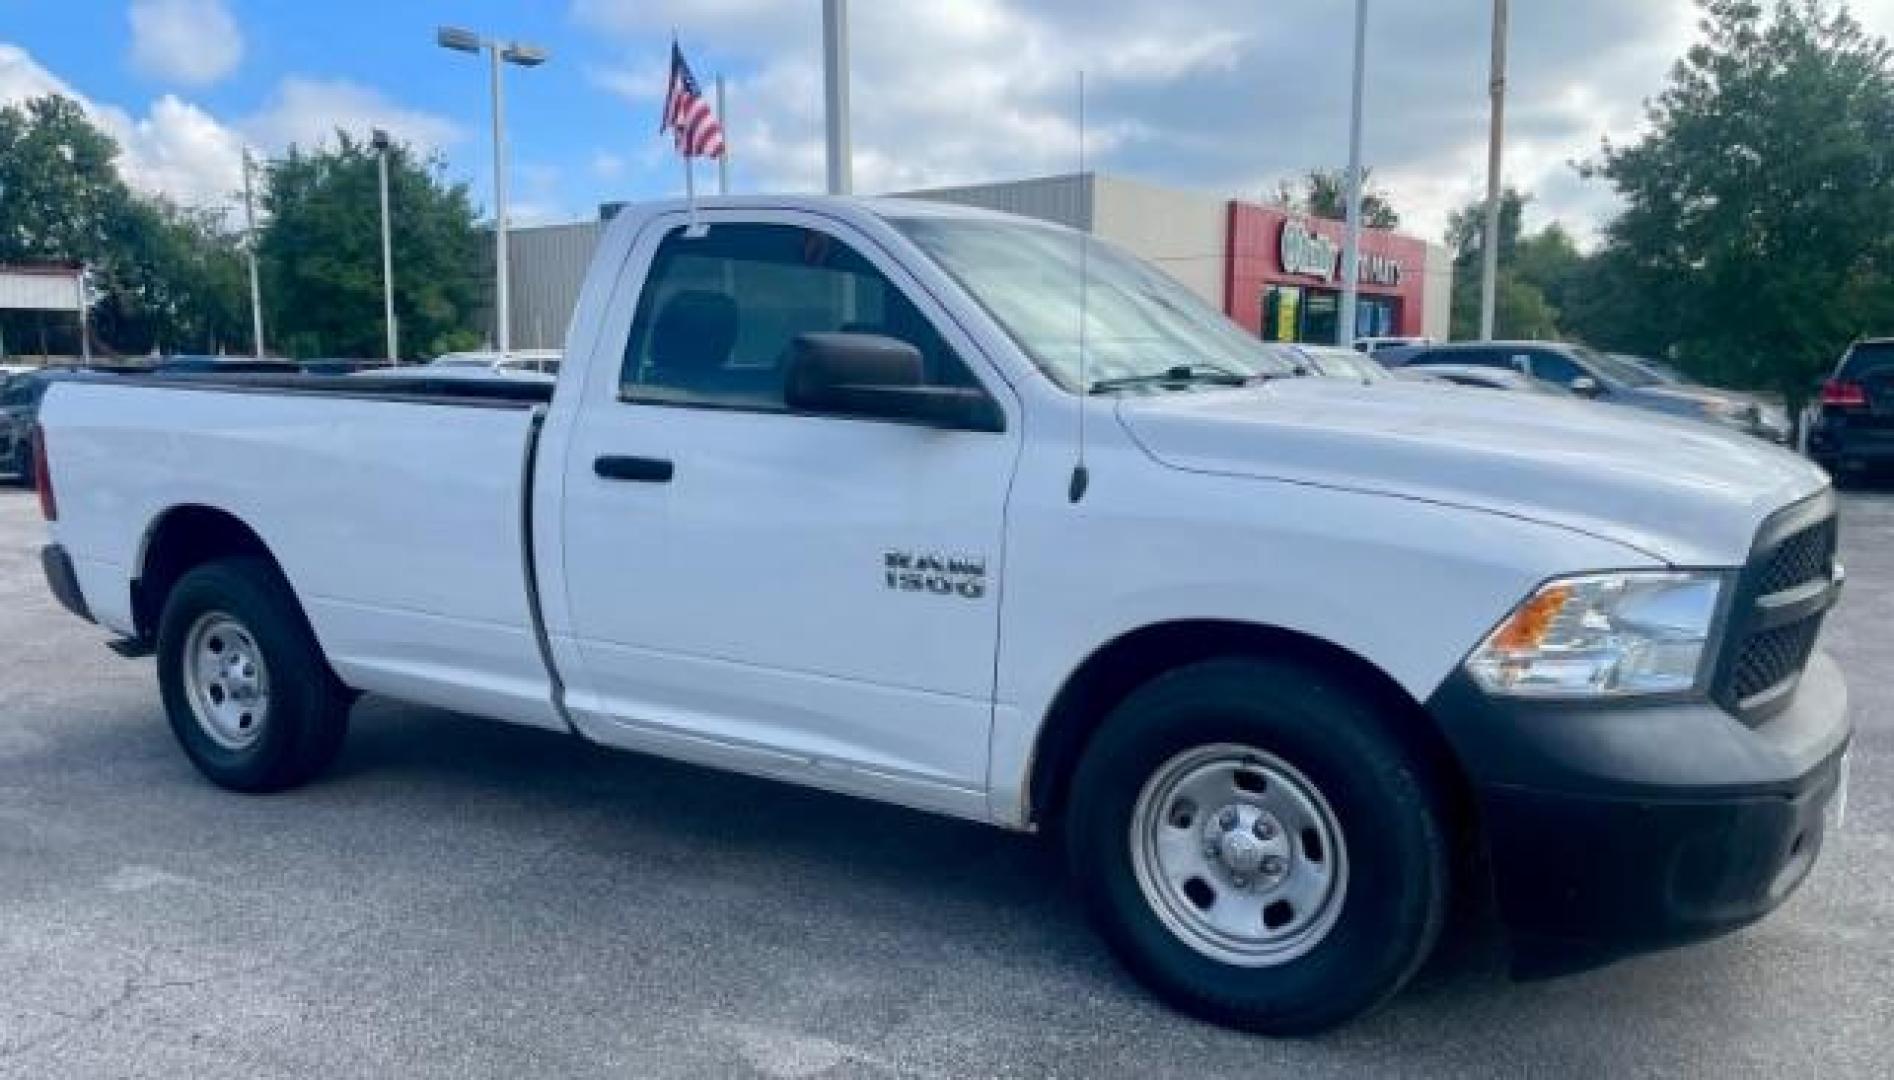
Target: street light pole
(503,313)
(383,145)
(1489,248)
(524,55)
(1351,247)
(256,287)
(835,97)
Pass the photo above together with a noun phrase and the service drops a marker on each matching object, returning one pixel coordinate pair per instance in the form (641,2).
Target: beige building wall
(1184,232)
(1437,293)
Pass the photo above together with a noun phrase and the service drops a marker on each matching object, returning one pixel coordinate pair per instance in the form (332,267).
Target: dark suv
(1591,374)
(19,407)
(1853,428)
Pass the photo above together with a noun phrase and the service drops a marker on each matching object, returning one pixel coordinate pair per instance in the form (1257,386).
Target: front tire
(246,688)
(1256,846)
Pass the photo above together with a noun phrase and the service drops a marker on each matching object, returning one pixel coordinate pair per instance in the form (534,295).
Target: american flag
(687,115)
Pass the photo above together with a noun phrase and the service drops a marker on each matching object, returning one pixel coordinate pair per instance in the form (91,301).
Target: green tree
(321,253)
(1756,239)
(1532,269)
(162,276)
(1324,194)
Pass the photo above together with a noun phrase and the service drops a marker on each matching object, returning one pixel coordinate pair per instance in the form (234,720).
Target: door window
(1555,368)
(720,313)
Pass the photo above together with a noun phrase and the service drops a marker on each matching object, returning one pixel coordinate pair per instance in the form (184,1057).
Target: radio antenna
(1081,476)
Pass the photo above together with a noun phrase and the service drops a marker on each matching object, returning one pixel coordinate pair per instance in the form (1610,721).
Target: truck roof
(884,206)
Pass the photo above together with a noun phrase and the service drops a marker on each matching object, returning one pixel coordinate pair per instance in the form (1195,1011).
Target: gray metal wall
(548,265)
(1065,200)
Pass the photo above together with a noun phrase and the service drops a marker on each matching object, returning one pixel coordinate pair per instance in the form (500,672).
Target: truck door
(821,590)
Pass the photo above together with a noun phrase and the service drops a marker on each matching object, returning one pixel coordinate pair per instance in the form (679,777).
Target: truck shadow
(840,866)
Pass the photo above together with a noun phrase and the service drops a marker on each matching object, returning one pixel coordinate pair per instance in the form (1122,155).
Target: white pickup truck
(874,496)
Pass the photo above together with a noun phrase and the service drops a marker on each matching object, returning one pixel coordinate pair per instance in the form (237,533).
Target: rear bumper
(1615,830)
(63,580)
(1842,445)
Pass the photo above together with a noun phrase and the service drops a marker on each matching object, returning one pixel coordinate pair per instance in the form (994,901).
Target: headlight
(1603,635)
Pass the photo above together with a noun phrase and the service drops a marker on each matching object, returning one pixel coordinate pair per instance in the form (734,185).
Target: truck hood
(1684,492)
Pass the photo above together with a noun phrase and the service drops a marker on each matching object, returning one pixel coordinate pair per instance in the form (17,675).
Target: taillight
(1844,393)
(43,476)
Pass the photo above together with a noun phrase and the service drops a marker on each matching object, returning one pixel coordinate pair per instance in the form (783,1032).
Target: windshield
(1614,370)
(1139,323)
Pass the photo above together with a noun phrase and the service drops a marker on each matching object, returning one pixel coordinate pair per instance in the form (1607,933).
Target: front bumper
(1614,829)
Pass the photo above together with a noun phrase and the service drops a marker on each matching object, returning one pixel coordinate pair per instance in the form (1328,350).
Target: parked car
(20,396)
(541,361)
(1274,651)
(1600,377)
(1772,420)
(1483,378)
(1373,345)
(1334,362)
(1852,429)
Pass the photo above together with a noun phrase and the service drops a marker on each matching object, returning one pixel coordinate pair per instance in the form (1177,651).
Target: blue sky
(1226,96)
(573,142)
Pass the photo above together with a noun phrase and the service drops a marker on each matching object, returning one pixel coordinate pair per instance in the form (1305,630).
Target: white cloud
(194,42)
(943,92)
(184,153)
(308,112)
(1220,95)
(176,149)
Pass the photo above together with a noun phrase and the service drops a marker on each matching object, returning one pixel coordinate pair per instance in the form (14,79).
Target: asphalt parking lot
(461,898)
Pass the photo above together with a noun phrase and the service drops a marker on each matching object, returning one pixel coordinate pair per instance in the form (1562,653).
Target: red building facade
(1283,278)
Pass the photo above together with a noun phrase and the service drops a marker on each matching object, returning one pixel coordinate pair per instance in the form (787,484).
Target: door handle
(639,470)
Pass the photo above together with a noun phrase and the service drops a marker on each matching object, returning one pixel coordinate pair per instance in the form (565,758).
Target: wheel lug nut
(1240,881)
(1229,818)
(1265,829)
(1273,865)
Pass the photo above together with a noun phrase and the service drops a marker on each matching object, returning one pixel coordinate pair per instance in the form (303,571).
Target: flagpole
(723,159)
(690,195)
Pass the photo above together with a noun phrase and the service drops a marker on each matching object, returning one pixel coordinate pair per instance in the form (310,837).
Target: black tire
(1396,864)
(23,461)
(307,706)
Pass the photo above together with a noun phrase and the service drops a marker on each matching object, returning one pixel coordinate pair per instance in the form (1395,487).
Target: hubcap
(1239,855)
(226,680)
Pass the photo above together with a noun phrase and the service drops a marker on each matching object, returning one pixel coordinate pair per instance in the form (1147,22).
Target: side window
(1555,367)
(720,313)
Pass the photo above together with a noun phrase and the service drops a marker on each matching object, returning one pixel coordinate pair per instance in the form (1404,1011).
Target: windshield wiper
(1178,375)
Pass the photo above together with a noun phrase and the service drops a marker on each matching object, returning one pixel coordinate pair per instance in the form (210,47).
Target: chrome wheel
(1239,855)
(226,680)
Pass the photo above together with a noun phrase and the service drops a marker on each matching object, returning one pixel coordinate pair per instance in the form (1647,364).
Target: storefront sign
(1301,250)
(1379,270)
(1305,251)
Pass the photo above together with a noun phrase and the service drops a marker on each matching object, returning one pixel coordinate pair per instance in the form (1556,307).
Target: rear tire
(246,688)
(23,461)
(1284,926)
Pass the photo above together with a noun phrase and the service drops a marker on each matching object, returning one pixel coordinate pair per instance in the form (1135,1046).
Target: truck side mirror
(1586,387)
(880,378)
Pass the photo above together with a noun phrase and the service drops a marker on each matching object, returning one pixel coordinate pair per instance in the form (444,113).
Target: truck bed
(395,508)
(417,389)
